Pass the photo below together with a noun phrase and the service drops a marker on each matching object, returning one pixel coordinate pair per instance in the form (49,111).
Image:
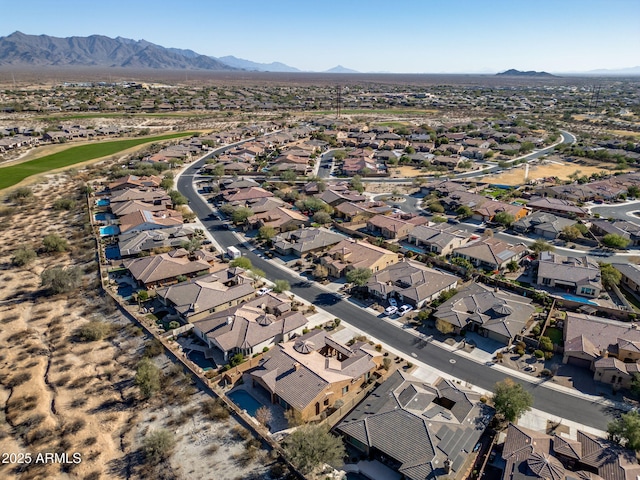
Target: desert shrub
(23,256)
(61,280)
(538,353)
(158,445)
(214,409)
(93,331)
(64,204)
(153,348)
(53,243)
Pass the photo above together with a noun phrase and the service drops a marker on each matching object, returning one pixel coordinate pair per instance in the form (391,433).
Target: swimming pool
(103,202)
(199,359)
(102,216)
(245,401)
(575,298)
(112,252)
(411,248)
(125,291)
(109,230)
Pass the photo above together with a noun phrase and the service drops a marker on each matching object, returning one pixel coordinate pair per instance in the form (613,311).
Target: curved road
(575,408)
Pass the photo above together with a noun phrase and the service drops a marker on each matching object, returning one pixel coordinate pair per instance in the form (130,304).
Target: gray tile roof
(405,419)
(574,270)
(307,239)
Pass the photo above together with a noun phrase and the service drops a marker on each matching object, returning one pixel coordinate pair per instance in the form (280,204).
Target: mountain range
(19,49)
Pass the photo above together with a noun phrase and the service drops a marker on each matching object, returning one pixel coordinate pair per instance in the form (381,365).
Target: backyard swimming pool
(199,359)
(103,202)
(125,291)
(112,252)
(245,401)
(109,230)
(575,298)
(102,216)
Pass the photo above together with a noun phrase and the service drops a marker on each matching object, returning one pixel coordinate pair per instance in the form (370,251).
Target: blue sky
(402,36)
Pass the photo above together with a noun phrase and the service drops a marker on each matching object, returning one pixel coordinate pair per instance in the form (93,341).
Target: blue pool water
(125,291)
(199,359)
(102,216)
(109,230)
(112,252)
(575,298)
(245,401)
(103,202)
(411,248)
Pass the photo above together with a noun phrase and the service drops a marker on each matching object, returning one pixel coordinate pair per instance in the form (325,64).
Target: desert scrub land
(69,362)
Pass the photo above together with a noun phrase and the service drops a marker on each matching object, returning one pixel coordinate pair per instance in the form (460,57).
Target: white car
(263,291)
(390,310)
(392,302)
(404,309)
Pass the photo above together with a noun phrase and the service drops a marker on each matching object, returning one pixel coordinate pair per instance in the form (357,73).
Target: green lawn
(555,334)
(16,173)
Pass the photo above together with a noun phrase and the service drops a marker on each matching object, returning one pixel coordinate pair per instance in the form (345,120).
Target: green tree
(241,262)
(311,446)
(626,430)
(436,207)
(513,266)
(511,400)
(633,191)
(526,147)
(339,155)
(546,344)
(147,378)
(609,275)
(266,233)
(167,181)
(61,280)
(464,211)
(635,383)
(613,240)
(356,183)
(504,218)
(571,233)
(241,214)
(359,276)
(322,217)
(23,256)
(177,198)
(288,176)
(53,243)
(281,286)
(158,445)
(541,245)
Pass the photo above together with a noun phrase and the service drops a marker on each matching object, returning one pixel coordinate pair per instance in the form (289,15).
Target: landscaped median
(14,174)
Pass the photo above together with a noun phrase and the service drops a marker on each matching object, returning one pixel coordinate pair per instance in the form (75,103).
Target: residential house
(609,348)
(488,210)
(360,212)
(630,276)
(351,254)
(573,192)
(133,181)
(440,239)
(240,195)
(394,227)
(424,431)
(156,196)
(491,253)
(134,243)
(496,314)
(121,209)
(335,197)
(546,225)
(563,208)
(309,374)
(141,220)
(166,268)
(305,241)
(203,296)
(623,228)
(532,454)
(410,282)
(280,218)
(577,275)
(252,326)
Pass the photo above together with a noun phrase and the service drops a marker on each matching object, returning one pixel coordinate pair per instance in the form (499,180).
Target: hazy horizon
(413,37)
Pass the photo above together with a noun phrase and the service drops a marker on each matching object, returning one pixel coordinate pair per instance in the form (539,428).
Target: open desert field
(562,170)
(68,362)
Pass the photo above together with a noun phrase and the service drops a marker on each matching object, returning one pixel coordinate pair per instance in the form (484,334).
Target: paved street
(572,407)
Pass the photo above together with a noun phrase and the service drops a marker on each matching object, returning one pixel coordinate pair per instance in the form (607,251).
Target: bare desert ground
(560,169)
(62,392)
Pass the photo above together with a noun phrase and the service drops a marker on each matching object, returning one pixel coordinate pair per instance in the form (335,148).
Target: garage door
(579,362)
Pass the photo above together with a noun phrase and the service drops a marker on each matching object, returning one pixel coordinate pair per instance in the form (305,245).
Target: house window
(367,375)
(326,402)
(546,281)
(345,390)
(587,291)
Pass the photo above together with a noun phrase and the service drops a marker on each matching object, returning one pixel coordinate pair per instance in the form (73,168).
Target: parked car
(393,302)
(263,291)
(404,309)
(390,310)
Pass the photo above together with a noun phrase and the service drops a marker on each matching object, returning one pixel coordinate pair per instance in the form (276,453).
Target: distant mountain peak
(518,73)
(259,67)
(340,69)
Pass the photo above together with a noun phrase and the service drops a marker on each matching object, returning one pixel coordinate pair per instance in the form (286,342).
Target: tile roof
(491,250)
(602,333)
(307,239)
(156,268)
(161,219)
(575,270)
(405,419)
